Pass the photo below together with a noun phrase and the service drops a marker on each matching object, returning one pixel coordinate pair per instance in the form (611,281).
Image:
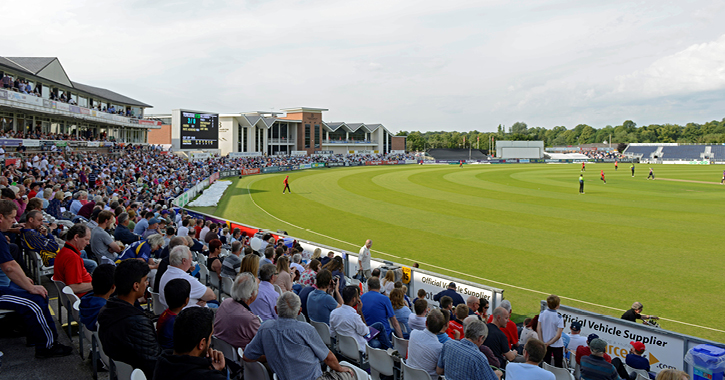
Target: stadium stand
(640,151)
(457,154)
(718,152)
(683,152)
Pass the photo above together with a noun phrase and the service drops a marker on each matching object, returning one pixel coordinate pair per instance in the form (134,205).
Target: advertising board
(663,350)
(250,171)
(433,285)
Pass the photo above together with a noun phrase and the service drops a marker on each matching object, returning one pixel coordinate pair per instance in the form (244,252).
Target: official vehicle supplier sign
(434,285)
(662,350)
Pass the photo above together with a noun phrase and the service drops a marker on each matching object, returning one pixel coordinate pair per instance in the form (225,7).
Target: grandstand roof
(49,68)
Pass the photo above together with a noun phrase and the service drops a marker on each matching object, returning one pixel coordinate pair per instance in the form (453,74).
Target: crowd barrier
(534,161)
(664,349)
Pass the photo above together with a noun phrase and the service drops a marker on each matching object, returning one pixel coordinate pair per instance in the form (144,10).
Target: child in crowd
(442,336)
(455,328)
(177,296)
(417,321)
(421,294)
(92,302)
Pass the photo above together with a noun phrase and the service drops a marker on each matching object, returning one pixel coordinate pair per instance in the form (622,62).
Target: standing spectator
(450,292)
(363,258)
(551,325)
(125,332)
(235,323)
(300,358)
(461,360)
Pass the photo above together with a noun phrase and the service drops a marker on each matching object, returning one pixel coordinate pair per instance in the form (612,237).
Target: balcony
(281,141)
(28,102)
(356,142)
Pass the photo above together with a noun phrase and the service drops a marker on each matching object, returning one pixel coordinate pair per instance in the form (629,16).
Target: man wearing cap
(635,359)
(143,224)
(583,351)
(635,313)
(576,339)
(152,229)
(594,366)
(450,292)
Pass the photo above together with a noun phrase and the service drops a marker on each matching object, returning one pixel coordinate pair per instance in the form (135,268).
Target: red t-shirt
(454,326)
(69,267)
(198,230)
(582,351)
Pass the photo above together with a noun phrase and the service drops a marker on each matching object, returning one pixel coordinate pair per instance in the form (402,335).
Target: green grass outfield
(523,228)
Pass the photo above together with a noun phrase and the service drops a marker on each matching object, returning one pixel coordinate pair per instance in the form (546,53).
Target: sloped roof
(252,119)
(36,65)
(32,64)
(108,94)
(334,125)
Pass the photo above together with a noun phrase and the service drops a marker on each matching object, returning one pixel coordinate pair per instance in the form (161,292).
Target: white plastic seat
(203,273)
(227,284)
(560,373)
(255,370)
(360,373)
(137,374)
(123,370)
(380,362)
(324,332)
(400,345)
(75,311)
(410,373)
(348,347)
(59,285)
(640,372)
(156,300)
(227,349)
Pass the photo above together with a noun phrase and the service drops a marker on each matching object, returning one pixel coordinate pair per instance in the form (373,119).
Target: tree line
(712,132)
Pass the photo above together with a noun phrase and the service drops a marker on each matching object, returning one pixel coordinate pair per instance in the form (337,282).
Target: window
(317,135)
(307,135)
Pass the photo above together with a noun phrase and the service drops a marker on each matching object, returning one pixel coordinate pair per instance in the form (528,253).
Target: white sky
(412,65)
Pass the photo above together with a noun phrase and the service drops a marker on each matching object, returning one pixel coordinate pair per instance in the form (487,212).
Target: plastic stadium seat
(137,374)
(255,370)
(59,285)
(227,285)
(156,300)
(227,349)
(348,347)
(123,370)
(360,373)
(400,345)
(76,314)
(560,373)
(639,372)
(324,332)
(203,273)
(410,373)
(380,362)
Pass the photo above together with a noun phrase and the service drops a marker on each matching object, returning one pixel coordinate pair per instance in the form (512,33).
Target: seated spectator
(250,264)
(473,303)
(284,277)
(672,374)
(378,308)
(143,224)
(635,359)
(583,351)
(152,229)
(87,208)
(170,233)
(214,262)
(575,339)
(235,323)
(212,233)
(423,345)
(143,250)
(388,283)
(122,233)
(300,358)
(69,266)
(461,359)
(164,263)
(176,293)
(442,335)
(268,256)
(18,293)
(446,304)
(92,302)
(594,367)
(401,310)
(325,260)
(421,294)
(296,260)
(102,243)
(455,328)
(336,267)
(320,303)
(417,321)
(450,292)
(179,265)
(310,274)
(77,203)
(348,320)
(264,305)
(483,348)
(496,339)
(534,351)
(511,331)
(483,309)
(192,357)
(36,237)
(232,263)
(184,229)
(304,295)
(125,331)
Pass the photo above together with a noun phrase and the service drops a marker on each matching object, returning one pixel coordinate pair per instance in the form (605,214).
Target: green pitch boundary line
(461,273)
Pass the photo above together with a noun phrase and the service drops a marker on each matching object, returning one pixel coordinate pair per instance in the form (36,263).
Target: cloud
(700,67)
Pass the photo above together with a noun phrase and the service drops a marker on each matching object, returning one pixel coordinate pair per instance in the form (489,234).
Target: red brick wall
(397,143)
(160,136)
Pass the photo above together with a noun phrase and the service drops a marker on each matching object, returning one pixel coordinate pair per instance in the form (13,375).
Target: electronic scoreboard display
(199,130)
